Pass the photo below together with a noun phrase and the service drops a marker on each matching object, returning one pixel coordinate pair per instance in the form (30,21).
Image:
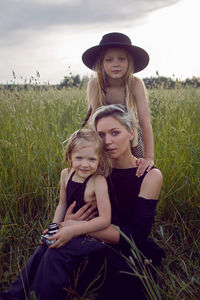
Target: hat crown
(115,38)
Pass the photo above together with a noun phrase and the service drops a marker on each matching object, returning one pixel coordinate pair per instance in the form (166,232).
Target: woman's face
(115,136)
(115,63)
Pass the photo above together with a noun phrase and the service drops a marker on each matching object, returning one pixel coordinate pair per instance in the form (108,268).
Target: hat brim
(140,56)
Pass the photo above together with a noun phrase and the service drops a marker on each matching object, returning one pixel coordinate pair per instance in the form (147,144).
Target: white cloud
(21,14)
(49,36)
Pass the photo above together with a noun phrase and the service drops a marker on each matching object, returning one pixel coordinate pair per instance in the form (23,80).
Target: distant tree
(74,81)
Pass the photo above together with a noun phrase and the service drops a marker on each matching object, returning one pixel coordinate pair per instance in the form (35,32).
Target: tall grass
(176,120)
(176,116)
(34,123)
(33,126)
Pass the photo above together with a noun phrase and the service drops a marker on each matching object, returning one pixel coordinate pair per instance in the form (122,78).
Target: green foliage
(170,83)
(175,121)
(34,123)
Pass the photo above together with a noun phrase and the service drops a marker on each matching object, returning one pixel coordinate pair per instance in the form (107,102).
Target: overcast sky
(50,36)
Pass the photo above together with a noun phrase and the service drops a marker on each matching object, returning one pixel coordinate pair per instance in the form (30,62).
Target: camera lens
(52,228)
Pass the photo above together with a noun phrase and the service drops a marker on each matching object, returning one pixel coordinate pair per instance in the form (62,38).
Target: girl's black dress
(75,192)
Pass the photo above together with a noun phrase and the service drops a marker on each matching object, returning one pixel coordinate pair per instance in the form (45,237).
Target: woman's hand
(85,213)
(144,164)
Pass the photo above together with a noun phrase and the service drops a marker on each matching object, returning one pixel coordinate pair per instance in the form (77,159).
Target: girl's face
(115,63)
(85,161)
(115,136)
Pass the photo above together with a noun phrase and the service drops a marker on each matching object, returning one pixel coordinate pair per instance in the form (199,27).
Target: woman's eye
(114,133)
(101,135)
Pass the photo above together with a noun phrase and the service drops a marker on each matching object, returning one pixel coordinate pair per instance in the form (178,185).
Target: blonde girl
(83,182)
(115,60)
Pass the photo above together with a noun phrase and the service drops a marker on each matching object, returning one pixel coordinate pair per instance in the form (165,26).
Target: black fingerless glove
(140,228)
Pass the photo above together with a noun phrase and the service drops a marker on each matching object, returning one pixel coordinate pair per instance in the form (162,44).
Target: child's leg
(57,267)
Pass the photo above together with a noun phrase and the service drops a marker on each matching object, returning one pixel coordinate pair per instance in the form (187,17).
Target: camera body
(52,229)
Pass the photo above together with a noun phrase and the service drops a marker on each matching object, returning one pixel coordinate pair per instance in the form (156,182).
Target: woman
(130,195)
(133,201)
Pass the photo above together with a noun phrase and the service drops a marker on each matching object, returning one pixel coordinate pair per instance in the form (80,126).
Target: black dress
(75,192)
(134,215)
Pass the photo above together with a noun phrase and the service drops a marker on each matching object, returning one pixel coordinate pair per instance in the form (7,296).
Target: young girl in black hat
(115,60)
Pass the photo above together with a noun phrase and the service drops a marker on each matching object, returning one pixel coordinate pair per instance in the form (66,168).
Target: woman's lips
(111,149)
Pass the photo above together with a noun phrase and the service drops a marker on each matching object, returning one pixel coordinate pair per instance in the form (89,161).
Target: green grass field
(34,123)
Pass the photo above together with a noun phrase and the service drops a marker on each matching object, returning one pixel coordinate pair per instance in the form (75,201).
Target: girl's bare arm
(145,123)
(62,205)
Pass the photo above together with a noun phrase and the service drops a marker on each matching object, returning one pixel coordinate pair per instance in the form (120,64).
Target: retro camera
(52,229)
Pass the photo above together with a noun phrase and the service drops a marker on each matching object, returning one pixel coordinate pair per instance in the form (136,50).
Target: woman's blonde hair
(81,139)
(117,111)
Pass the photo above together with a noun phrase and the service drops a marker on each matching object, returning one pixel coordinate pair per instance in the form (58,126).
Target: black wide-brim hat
(116,40)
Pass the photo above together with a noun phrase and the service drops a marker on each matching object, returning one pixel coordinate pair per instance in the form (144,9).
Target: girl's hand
(44,232)
(85,213)
(144,164)
(63,236)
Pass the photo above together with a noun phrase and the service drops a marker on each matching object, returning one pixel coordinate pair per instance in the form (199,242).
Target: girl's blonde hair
(80,139)
(100,91)
(97,92)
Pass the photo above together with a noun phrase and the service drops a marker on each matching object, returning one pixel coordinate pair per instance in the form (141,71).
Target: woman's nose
(107,139)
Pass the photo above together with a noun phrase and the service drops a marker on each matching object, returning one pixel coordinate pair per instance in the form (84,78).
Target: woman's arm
(143,215)
(140,95)
(66,233)
(109,235)
(87,212)
(151,185)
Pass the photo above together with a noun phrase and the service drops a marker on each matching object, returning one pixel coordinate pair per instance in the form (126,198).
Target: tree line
(150,83)
(75,81)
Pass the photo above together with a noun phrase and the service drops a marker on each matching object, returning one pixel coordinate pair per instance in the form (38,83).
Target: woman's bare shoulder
(151,184)
(154,173)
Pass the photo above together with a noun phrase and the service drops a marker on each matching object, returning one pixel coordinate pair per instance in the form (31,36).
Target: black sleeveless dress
(75,192)
(134,215)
